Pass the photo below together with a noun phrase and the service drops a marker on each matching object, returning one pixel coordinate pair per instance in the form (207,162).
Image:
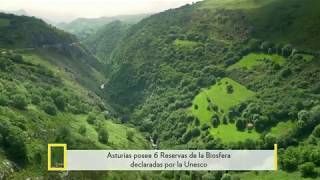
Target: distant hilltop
(19,12)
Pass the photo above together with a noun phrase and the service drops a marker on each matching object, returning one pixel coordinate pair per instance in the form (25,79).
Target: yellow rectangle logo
(64,164)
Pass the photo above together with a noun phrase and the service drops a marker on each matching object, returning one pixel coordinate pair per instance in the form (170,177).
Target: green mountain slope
(282,21)
(165,65)
(26,32)
(106,39)
(31,35)
(218,74)
(48,94)
(289,21)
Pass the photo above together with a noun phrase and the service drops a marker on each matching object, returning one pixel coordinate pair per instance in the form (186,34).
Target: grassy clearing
(229,133)
(117,134)
(254,59)
(282,128)
(184,43)
(218,95)
(4,22)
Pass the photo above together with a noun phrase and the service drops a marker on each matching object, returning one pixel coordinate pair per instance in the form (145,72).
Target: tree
(103,136)
(285,72)
(289,164)
(315,115)
(289,161)
(233,112)
(82,130)
(13,142)
(205,126)
(49,108)
(60,102)
(130,135)
(16,146)
(316,131)
(196,122)
(64,132)
(270,140)
(4,100)
(215,121)
(241,124)
(265,46)
(19,101)
(35,99)
(195,132)
(249,144)
(307,169)
(91,118)
(303,115)
(224,119)
(146,125)
(186,137)
(54,93)
(286,50)
(64,135)
(214,107)
(314,156)
(230,89)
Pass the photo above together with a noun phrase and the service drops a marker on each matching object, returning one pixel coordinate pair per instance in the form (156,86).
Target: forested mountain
(218,74)
(84,27)
(26,32)
(106,40)
(60,48)
(225,74)
(48,94)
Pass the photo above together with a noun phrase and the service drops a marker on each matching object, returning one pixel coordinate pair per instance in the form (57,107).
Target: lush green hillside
(106,39)
(288,21)
(50,107)
(234,74)
(26,32)
(165,60)
(48,94)
(35,39)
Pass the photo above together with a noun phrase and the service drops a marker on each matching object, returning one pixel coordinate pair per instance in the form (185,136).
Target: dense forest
(50,93)
(224,75)
(234,74)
